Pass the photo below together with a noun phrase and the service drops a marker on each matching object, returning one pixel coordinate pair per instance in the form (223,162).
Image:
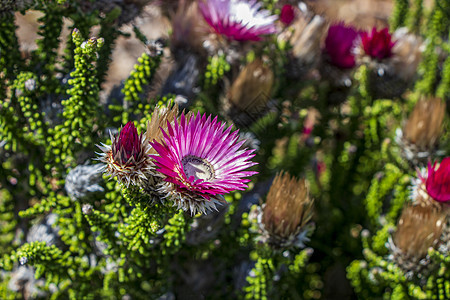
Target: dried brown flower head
(407,53)
(251,90)
(189,29)
(424,125)
(418,229)
(288,206)
(160,117)
(306,40)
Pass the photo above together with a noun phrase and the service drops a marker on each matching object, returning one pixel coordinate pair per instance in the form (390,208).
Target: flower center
(197,167)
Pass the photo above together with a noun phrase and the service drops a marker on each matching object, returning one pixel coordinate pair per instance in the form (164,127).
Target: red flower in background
(339,45)
(377,44)
(437,182)
(287,14)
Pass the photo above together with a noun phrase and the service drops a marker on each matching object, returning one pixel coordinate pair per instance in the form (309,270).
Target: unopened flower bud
(189,29)
(250,93)
(377,44)
(338,60)
(287,210)
(128,156)
(128,144)
(424,125)
(420,135)
(305,39)
(287,14)
(419,228)
(407,53)
(392,60)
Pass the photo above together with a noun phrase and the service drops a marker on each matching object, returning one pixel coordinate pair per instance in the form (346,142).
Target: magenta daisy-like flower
(201,161)
(239,20)
(377,44)
(339,46)
(437,180)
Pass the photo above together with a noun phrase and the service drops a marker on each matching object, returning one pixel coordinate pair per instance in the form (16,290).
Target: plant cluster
(260,151)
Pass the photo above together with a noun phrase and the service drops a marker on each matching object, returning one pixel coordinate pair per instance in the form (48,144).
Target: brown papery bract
(288,206)
(159,120)
(418,229)
(252,88)
(424,125)
(189,28)
(307,37)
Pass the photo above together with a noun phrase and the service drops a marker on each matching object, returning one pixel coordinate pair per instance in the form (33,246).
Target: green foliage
(260,279)
(415,15)
(137,84)
(215,70)
(399,14)
(123,243)
(436,28)
(443,90)
(9,45)
(140,77)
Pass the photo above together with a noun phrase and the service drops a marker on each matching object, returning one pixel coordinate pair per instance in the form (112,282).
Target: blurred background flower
(241,20)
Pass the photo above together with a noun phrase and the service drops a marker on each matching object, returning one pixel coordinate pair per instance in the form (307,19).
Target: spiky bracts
(201,161)
(419,228)
(127,158)
(283,219)
(305,34)
(248,97)
(239,20)
(420,135)
(424,223)
(160,118)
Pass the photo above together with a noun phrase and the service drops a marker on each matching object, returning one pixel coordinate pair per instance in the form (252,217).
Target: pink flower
(238,20)
(437,182)
(129,142)
(127,158)
(201,161)
(339,45)
(377,44)
(287,14)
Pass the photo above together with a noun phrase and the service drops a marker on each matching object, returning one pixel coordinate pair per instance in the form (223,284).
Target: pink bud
(129,142)
(339,45)
(287,14)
